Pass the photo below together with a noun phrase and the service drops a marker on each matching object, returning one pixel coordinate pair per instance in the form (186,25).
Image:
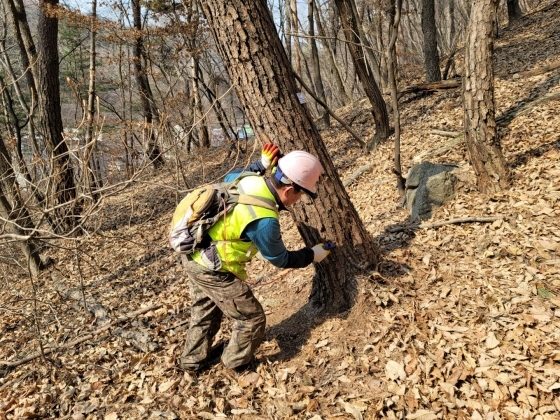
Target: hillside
(457,321)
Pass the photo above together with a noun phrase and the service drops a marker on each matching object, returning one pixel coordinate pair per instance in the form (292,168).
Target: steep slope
(457,321)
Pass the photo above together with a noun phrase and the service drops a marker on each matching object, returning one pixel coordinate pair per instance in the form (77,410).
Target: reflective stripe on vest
(226,233)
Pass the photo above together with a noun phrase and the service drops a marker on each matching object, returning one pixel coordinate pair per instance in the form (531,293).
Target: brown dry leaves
(461,321)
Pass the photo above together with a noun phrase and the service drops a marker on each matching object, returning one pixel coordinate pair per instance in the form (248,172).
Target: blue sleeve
(256,167)
(265,234)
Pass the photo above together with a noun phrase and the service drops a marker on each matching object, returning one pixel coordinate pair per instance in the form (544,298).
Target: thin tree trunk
(481,136)
(429,30)
(395,17)
(342,94)
(200,121)
(316,65)
(364,72)
(15,214)
(90,174)
(259,68)
(146,97)
(50,117)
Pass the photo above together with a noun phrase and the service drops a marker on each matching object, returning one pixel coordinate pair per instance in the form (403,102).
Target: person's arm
(265,234)
(256,167)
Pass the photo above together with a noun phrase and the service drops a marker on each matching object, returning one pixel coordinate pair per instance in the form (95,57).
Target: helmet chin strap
(281,177)
(287,181)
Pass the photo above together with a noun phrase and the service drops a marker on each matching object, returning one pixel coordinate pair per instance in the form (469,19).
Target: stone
(428,186)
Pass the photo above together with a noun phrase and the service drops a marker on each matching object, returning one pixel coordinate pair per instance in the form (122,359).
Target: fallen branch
(540,70)
(445,222)
(79,340)
(431,87)
(357,173)
(446,133)
(523,109)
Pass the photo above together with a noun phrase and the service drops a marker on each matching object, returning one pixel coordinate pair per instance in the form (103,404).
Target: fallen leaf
(395,370)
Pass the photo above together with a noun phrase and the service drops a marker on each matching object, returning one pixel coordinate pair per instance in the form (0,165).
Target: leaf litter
(458,321)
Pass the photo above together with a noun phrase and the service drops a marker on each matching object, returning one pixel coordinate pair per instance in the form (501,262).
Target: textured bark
(260,70)
(364,72)
(50,117)
(15,212)
(481,136)
(514,10)
(431,55)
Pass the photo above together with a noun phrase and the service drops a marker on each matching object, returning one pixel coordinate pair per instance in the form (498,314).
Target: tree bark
(342,94)
(481,135)
(364,72)
(514,10)
(146,97)
(50,117)
(91,176)
(395,17)
(260,70)
(431,55)
(15,215)
(316,66)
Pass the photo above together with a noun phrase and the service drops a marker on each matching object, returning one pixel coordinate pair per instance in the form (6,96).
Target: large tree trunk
(431,55)
(364,72)
(261,72)
(481,136)
(50,117)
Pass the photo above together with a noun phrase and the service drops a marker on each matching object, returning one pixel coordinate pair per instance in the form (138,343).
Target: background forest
(112,112)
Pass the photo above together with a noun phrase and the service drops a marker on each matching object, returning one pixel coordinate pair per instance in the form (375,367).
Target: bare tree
(394,8)
(260,70)
(316,66)
(146,97)
(481,136)
(63,197)
(431,55)
(365,73)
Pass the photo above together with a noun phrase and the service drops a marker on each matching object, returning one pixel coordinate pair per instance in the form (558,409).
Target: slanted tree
(350,25)
(481,136)
(261,72)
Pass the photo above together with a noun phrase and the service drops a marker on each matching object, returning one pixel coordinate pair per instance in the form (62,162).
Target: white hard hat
(300,168)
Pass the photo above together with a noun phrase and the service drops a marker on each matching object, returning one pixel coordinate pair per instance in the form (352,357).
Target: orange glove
(269,156)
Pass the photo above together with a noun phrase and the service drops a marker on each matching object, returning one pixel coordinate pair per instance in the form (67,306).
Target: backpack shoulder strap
(254,200)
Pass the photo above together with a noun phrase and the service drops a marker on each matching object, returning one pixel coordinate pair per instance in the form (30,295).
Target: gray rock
(428,186)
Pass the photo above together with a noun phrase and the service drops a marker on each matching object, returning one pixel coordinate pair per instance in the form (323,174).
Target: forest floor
(457,321)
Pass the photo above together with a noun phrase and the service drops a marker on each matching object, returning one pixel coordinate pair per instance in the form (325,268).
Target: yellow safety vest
(226,233)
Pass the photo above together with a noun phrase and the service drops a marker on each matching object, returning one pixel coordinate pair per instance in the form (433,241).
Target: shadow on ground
(294,332)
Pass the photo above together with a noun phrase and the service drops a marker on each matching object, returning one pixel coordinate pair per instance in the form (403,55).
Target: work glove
(270,155)
(320,253)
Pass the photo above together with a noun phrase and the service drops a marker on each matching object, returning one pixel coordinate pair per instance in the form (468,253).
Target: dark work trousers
(213,294)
